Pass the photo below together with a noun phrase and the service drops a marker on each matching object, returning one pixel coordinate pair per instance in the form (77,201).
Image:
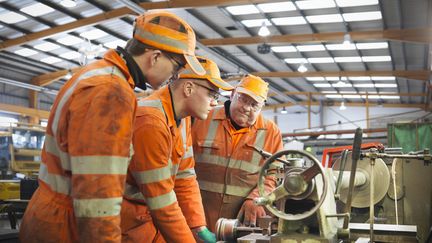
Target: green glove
(207,236)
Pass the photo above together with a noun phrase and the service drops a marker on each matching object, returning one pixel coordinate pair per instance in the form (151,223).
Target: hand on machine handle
(250,212)
(204,235)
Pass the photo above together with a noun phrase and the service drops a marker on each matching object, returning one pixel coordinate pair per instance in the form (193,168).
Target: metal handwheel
(297,184)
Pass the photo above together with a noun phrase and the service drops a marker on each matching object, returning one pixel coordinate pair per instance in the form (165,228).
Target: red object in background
(332,151)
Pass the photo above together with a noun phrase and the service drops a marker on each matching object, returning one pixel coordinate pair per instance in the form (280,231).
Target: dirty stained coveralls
(84,158)
(162,200)
(227,166)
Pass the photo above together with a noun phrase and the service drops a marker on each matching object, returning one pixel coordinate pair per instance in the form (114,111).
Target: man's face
(244,110)
(203,99)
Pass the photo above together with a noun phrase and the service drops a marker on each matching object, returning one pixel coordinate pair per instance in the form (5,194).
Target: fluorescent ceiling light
(315,4)
(305,48)
(37,9)
(375,45)
(255,22)
(354,3)
(347,59)
(295,60)
(362,16)
(283,49)
(351,96)
(334,47)
(242,9)
(332,78)
(376,58)
(322,85)
(71,55)
(93,34)
(360,78)
(68,3)
(276,7)
(11,18)
(47,46)
(70,40)
(50,60)
(377,78)
(320,60)
(334,96)
(289,21)
(327,18)
(25,52)
(386,85)
(114,44)
(364,85)
(315,78)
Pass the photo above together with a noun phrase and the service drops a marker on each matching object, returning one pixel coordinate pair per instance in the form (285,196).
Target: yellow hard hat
(166,31)
(254,87)
(212,74)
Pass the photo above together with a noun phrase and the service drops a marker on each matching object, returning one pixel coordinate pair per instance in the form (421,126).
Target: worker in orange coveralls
(162,201)
(227,165)
(88,139)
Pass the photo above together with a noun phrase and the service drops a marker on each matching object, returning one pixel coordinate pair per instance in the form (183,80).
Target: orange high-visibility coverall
(227,166)
(85,158)
(162,198)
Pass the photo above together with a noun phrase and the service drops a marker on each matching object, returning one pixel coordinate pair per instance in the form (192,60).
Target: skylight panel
(355,3)
(329,91)
(334,47)
(334,96)
(11,18)
(255,22)
(320,60)
(283,49)
(276,7)
(305,48)
(351,96)
(360,78)
(389,97)
(332,78)
(322,85)
(347,59)
(384,78)
(289,21)
(375,45)
(315,78)
(70,40)
(295,60)
(341,85)
(386,85)
(242,9)
(114,44)
(362,16)
(37,9)
(326,18)
(50,60)
(47,46)
(315,4)
(71,55)
(364,85)
(93,34)
(25,52)
(376,58)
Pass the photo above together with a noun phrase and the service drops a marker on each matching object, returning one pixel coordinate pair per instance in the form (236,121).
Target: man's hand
(202,234)
(250,212)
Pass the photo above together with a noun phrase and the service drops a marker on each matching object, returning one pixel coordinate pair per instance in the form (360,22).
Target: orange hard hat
(212,74)
(254,87)
(168,32)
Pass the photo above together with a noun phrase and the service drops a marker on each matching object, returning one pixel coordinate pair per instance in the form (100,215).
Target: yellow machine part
(9,189)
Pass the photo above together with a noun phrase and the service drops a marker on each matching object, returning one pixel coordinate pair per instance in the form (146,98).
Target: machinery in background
(20,156)
(313,204)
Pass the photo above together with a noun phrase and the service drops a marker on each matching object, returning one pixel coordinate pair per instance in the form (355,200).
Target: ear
(155,55)
(232,94)
(188,88)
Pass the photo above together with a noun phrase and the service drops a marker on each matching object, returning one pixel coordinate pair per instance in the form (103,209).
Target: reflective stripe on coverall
(85,158)
(228,174)
(162,198)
